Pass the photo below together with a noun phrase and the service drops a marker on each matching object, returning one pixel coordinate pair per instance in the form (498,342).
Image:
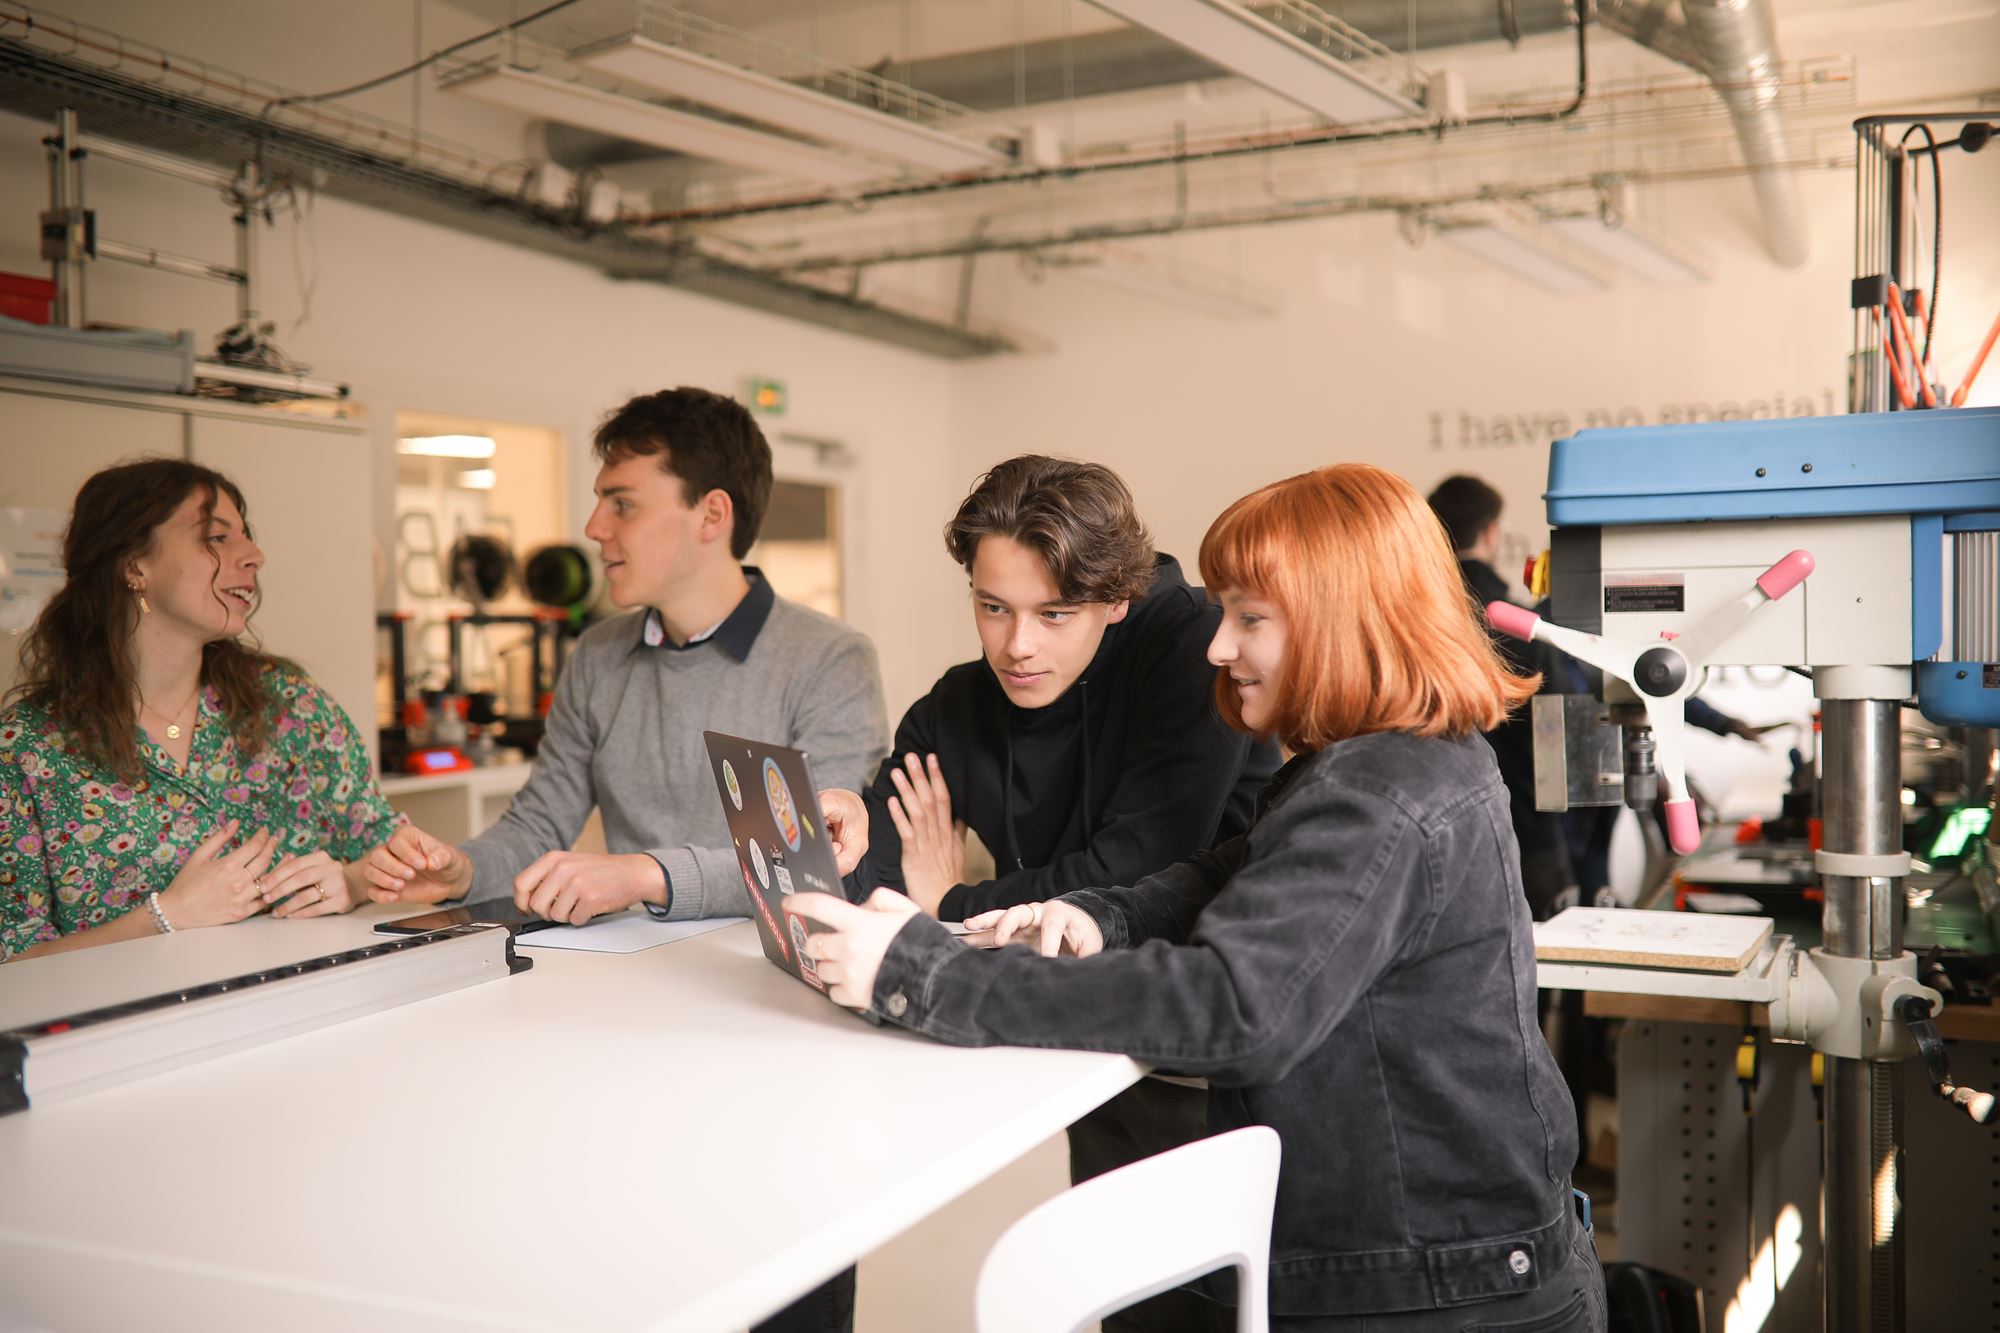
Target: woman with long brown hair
(1356,971)
(157,772)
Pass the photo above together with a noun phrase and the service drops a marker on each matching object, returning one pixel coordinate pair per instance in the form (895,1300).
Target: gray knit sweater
(624,736)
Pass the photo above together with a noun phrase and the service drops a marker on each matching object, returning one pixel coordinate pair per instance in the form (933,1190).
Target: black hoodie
(1128,772)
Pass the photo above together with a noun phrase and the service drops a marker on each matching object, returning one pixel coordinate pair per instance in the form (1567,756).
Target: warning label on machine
(1624,593)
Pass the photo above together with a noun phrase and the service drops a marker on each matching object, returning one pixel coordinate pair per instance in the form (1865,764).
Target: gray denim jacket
(1357,971)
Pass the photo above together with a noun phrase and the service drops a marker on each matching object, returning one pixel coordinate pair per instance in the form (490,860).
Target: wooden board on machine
(1683,940)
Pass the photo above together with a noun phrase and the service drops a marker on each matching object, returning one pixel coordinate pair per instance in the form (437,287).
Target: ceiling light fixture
(478,478)
(447,446)
(1525,256)
(1632,249)
(1614,231)
(805,110)
(1310,73)
(1170,287)
(663,127)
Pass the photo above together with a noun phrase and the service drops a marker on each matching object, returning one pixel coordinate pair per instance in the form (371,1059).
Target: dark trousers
(1147,1118)
(824,1309)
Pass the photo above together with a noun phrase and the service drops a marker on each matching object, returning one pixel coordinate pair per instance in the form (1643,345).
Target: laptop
(771,803)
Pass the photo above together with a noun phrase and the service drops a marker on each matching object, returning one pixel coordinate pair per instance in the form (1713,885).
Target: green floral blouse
(79,848)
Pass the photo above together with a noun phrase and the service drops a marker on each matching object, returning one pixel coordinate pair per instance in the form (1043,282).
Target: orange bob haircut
(1381,633)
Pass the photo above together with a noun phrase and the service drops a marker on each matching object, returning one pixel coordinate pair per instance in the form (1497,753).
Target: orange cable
(1895,304)
(1895,361)
(1923,322)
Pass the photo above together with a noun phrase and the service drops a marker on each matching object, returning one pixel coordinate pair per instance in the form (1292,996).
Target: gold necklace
(174,722)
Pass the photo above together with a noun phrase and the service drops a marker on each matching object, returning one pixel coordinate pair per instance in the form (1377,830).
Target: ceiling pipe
(1409,206)
(1734,43)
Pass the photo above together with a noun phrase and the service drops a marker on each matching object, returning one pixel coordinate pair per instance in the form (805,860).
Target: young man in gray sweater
(685,480)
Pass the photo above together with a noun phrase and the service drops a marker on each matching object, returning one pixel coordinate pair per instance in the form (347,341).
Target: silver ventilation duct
(1739,46)
(1734,43)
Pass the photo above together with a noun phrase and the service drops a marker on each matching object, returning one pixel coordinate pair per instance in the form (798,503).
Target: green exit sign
(767,397)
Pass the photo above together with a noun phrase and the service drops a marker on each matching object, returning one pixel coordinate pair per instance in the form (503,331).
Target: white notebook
(1693,941)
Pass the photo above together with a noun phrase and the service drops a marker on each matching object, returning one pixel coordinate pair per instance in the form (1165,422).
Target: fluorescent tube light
(1523,258)
(1633,250)
(447,446)
(802,110)
(663,127)
(1249,45)
(478,478)
(1167,287)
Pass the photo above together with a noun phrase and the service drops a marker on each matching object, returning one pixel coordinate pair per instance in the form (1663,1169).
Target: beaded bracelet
(160,922)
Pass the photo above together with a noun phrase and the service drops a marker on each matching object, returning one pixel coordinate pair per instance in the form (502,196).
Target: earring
(143,608)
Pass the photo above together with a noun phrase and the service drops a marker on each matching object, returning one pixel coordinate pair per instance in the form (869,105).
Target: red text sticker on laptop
(764,910)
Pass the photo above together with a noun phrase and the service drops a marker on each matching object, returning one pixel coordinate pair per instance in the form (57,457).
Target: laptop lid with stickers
(772,806)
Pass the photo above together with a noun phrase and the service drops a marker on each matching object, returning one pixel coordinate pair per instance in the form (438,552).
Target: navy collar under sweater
(737,633)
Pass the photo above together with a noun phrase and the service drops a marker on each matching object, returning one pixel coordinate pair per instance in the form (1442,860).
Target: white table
(683,1139)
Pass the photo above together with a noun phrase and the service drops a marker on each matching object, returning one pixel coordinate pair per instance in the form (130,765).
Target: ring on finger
(320,889)
(1035,919)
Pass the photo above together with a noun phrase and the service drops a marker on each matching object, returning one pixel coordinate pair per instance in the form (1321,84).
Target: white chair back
(1138,1231)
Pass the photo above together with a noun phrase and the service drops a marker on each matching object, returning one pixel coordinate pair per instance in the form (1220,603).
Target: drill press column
(1862,918)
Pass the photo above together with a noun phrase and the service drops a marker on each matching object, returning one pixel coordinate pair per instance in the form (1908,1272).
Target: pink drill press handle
(1786,575)
(1514,620)
(1683,829)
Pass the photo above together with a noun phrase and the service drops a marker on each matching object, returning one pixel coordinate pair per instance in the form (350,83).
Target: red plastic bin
(23,297)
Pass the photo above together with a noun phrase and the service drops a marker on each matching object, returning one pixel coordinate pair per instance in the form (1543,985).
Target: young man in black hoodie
(1084,747)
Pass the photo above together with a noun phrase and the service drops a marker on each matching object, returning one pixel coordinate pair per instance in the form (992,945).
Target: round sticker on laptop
(779,793)
(757,864)
(729,781)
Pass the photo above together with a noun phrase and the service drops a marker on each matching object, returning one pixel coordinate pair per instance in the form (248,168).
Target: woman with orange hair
(1356,971)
